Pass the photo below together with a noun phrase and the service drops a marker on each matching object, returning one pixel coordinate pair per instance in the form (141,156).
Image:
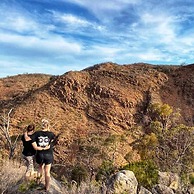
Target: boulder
(31,186)
(171,180)
(122,182)
(143,190)
(191,190)
(162,189)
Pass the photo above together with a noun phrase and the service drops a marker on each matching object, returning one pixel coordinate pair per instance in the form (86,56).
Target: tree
(162,113)
(169,144)
(5,132)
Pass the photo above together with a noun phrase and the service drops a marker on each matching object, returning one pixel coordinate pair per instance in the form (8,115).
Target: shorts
(44,158)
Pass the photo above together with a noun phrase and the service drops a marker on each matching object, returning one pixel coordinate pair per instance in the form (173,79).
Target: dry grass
(10,173)
(84,188)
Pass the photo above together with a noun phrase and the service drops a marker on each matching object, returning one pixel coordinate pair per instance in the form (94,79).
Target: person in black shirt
(42,142)
(28,150)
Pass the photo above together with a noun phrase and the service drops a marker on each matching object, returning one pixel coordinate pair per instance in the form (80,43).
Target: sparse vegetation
(105,170)
(99,112)
(191,178)
(28,185)
(11,172)
(167,143)
(146,173)
(79,174)
(5,126)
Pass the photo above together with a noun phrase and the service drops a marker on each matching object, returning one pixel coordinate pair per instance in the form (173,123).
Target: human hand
(47,147)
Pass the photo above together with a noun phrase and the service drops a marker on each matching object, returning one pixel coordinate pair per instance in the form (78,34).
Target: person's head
(30,128)
(45,124)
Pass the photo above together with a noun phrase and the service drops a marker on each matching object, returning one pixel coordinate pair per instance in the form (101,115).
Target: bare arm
(34,144)
(26,137)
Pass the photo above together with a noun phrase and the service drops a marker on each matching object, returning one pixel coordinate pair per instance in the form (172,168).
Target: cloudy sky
(56,36)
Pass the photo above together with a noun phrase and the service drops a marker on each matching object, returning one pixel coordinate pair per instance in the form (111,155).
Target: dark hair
(30,127)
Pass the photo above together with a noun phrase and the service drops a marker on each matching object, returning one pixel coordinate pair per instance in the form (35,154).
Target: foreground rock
(143,190)
(122,182)
(34,186)
(126,182)
(162,189)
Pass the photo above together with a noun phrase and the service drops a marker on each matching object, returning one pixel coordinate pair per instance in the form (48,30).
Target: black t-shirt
(43,139)
(28,149)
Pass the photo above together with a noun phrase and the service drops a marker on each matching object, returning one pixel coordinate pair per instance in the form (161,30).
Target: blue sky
(56,36)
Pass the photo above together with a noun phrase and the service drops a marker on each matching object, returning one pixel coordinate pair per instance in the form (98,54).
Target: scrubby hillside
(14,89)
(96,110)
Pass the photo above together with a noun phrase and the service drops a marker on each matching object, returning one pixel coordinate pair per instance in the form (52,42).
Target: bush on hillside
(169,144)
(79,174)
(105,170)
(191,178)
(146,172)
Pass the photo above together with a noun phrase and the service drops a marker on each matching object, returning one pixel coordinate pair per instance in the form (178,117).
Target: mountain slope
(103,99)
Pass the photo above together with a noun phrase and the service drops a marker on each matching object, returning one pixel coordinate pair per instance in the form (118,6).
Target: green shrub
(26,186)
(105,170)
(23,187)
(79,174)
(145,172)
(191,178)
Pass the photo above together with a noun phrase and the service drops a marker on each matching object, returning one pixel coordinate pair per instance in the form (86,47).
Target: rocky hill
(98,101)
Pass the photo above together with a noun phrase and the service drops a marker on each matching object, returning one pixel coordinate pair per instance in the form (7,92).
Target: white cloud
(51,44)
(161,26)
(105,10)
(10,67)
(105,51)
(105,5)
(187,41)
(151,55)
(72,22)
(14,20)
(71,19)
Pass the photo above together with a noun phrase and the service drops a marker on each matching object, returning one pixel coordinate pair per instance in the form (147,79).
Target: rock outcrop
(143,190)
(30,186)
(125,182)
(122,182)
